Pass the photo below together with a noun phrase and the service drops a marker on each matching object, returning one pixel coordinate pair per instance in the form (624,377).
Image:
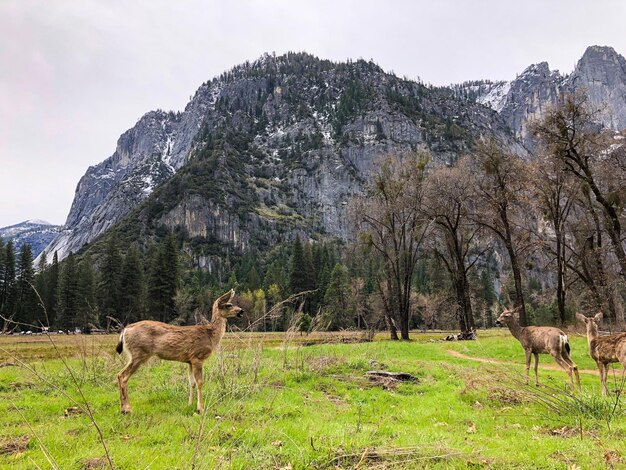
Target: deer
(603,349)
(188,344)
(541,340)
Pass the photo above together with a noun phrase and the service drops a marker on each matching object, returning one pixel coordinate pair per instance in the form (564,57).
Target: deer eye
(228,305)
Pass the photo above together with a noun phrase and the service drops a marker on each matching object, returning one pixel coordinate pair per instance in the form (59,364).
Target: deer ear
(225,297)
(581,317)
(598,316)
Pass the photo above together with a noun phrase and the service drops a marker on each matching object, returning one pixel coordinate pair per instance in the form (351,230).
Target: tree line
(554,219)
(435,246)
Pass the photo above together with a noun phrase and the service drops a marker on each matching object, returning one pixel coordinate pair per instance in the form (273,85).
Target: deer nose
(498,323)
(240,313)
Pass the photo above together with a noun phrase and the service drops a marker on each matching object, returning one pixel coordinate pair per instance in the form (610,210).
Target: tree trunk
(388,306)
(519,293)
(517,275)
(393,331)
(560,276)
(466,316)
(404,328)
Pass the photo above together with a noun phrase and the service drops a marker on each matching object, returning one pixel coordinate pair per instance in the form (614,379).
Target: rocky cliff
(600,73)
(270,148)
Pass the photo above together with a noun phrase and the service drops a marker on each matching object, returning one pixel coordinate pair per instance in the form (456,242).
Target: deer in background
(190,344)
(541,340)
(603,349)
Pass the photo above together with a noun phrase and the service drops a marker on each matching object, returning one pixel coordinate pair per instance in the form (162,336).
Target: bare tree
(555,195)
(592,261)
(390,222)
(570,134)
(448,203)
(501,185)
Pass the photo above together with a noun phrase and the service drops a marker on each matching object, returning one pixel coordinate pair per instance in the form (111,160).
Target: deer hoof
(126,410)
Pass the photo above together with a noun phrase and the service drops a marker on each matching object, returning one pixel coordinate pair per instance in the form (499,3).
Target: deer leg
(122,381)
(197,374)
(601,369)
(192,385)
(563,363)
(574,368)
(536,367)
(527,351)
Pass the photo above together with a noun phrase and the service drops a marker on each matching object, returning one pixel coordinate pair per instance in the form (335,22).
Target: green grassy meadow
(277,401)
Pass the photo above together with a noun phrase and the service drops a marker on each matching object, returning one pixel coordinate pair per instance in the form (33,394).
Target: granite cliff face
(600,73)
(277,147)
(270,148)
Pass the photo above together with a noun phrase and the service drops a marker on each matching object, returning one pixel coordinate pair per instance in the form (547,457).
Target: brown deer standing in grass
(541,340)
(190,344)
(604,349)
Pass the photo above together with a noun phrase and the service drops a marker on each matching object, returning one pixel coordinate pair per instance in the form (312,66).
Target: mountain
(270,148)
(600,73)
(276,147)
(37,233)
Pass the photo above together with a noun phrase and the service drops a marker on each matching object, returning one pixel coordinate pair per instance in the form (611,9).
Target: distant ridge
(35,232)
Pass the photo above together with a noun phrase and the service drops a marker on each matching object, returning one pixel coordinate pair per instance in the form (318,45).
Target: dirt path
(493,361)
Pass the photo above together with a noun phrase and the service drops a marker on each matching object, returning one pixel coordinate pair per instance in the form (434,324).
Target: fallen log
(375,374)
(389,380)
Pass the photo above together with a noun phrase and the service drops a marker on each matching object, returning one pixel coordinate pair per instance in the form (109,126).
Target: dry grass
(15,445)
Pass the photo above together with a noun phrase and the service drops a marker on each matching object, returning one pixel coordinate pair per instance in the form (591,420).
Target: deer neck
(219,324)
(515,328)
(592,332)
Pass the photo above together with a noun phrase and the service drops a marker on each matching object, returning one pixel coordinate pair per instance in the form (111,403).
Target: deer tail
(565,343)
(120,342)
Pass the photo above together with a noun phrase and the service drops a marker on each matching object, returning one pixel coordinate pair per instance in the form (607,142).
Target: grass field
(277,401)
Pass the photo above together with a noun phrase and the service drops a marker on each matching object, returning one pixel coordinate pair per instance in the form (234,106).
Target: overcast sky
(74,74)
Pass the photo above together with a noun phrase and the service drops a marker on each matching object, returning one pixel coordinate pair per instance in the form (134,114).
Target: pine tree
(309,270)
(52,285)
(254,280)
(41,285)
(277,275)
(109,286)
(87,314)
(298,279)
(172,275)
(26,299)
(67,306)
(133,296)
(8,294)
(163,280)
(2,271)
(338,309)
